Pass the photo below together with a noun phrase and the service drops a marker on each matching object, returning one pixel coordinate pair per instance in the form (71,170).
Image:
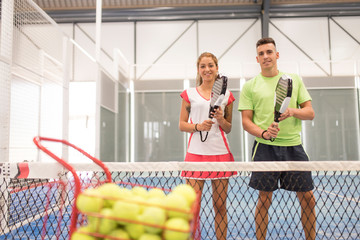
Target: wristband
(196,130)
(262,135)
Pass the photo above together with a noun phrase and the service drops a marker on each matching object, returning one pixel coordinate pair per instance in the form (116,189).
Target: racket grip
(275,124)
(212,110)
(276,116)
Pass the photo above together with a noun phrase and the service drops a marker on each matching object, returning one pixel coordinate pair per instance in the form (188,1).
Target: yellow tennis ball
(141,201)
(156,192)
(89,201)
(140,191)
(114,191)
(179,206)
(148,236)
(126,210)
(156,201)
(81,234)
(135,230)
(155,216)
(104,224)
(118,234)
(186,191)
(177,229)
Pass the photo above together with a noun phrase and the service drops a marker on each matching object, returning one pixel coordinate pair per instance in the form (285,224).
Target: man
(257,110)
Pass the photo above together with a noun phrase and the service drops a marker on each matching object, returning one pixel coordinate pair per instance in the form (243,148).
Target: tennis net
(37,207)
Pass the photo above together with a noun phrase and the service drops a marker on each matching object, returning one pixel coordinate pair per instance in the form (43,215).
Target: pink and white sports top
(216,143)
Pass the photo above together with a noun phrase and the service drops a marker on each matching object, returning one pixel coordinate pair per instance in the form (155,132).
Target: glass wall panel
(334,132)
(107,135)
(157,135)
(114,130)
(122,129)
(235,137)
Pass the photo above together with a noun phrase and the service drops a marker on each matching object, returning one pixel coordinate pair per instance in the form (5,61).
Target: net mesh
(41,207)
(32,85)
(37,43)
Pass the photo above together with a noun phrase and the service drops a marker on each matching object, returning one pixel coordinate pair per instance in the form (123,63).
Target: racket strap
(201,137)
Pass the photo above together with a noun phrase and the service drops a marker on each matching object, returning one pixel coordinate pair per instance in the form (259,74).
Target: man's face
(267,56)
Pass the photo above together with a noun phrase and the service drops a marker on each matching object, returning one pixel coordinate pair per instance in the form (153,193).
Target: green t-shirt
(258,94)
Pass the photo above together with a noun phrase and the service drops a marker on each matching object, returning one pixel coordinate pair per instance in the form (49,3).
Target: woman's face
(207,69)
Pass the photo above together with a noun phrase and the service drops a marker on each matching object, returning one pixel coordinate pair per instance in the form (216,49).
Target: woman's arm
(185,126)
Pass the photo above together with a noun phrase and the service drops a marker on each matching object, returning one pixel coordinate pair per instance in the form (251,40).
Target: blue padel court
(337,209)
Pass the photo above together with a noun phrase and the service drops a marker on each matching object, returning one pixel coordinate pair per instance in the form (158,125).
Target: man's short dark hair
(265,41)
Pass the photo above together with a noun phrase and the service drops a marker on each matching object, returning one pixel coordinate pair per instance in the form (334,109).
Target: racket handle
(275,124)
(276,116)
(212,109)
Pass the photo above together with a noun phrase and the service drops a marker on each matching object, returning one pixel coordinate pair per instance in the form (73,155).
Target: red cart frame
(75,212)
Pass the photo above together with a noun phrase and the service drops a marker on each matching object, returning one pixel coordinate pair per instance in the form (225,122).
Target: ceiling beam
(208,12)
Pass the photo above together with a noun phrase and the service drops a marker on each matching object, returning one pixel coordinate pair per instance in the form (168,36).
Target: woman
(194,119)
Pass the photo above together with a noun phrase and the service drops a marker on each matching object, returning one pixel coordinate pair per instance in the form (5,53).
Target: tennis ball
(142,202)
(156,201)
(186,191)
(118,234)
(135,230)
(104,224)
(148,236)
(139,191)
(177,229)
(156,192)
(89,201)
(179,205)
(81,234)
(111,192)
(126,210)
(155,216)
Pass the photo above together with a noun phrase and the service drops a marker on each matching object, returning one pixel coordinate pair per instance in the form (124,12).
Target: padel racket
(217,96)
(282,97)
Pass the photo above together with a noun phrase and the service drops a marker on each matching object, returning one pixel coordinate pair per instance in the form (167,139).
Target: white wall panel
(84,67)
(24,115)
(345,49)
(350,24)
(118,35)
(67,29)
(172,45)
(310,34)
(233,42)
(301,41)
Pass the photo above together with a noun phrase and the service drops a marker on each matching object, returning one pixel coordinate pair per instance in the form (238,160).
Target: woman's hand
(205,125)
(218,114)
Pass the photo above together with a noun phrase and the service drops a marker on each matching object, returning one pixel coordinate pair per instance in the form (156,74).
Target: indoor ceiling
(151,10)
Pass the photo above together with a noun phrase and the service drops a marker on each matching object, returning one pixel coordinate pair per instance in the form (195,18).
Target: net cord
(36,170)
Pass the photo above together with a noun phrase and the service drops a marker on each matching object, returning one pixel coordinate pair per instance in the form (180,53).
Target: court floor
(337,209)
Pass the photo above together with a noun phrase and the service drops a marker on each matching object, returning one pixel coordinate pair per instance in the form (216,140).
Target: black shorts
(298,181)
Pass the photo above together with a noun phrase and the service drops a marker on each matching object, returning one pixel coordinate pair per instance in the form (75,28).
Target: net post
(4,198)
(6,45)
